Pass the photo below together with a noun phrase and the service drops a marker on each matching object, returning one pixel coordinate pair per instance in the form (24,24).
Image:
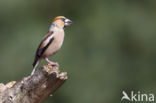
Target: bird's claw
(54,64)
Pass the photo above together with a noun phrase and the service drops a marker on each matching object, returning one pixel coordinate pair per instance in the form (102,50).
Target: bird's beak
(67,22)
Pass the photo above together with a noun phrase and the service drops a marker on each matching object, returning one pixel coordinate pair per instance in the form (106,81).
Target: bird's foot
(53,63)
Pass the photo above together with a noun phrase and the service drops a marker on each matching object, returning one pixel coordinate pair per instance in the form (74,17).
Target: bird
(51,42)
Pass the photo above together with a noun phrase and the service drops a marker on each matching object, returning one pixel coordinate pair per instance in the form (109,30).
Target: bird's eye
(63,19)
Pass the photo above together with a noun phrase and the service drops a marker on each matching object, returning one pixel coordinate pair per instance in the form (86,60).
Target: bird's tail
(36,62)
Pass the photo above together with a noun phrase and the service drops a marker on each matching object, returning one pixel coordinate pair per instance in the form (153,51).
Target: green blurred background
(110,46)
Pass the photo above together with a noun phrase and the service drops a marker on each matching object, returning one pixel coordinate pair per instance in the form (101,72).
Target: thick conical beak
(68,22)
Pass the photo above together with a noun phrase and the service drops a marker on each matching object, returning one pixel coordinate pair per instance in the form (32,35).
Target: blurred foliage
(109,48)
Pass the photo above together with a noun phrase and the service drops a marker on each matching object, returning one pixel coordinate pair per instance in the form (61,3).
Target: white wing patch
(47,40)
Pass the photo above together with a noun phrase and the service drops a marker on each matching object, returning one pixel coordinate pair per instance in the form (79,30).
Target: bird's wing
(43,46)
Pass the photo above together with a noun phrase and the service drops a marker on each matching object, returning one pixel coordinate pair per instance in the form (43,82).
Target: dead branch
(35,88)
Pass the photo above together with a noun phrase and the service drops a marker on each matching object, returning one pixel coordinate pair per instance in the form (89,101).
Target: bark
(33,89)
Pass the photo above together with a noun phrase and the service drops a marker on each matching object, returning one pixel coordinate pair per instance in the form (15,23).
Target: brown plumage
(52,42)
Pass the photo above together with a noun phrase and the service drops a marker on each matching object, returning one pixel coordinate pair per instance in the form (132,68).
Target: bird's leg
(52,63)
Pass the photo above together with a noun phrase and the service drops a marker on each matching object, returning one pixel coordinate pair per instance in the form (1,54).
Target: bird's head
(62,21)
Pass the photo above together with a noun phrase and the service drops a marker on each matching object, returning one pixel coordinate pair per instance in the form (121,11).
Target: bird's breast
(56,43)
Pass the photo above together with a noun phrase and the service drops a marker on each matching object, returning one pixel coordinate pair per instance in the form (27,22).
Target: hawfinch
(52,42)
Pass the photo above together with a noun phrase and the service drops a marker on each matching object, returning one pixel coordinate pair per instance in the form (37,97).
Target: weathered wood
(35,88)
